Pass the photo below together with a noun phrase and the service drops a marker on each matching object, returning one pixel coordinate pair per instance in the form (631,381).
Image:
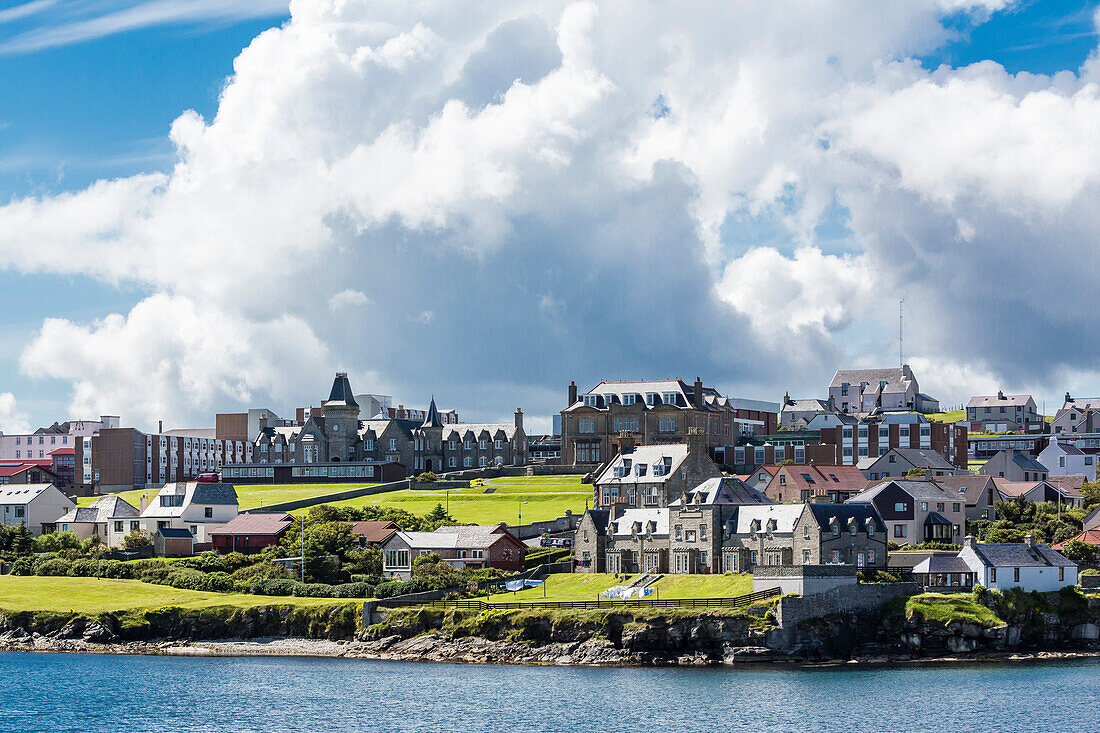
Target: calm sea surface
(60,692)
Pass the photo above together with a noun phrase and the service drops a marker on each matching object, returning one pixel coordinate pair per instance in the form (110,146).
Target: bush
(877,576)
(1080,552)
(427,477)
(353,590)
(191,579)
(55,542)
(54,566)
(23,566)
(260,571)
(137,538)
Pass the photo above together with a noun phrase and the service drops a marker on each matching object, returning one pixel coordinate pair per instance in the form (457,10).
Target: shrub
(260,571)
(427,477)
(353,590)
(53,566)
(1080,552)
(23,566)
(55,542)
(137,538)
(191,579)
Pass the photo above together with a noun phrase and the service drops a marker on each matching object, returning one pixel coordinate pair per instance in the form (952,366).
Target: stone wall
(1088,581)
(568,523)
(805,580)
(847,599)
(287,506)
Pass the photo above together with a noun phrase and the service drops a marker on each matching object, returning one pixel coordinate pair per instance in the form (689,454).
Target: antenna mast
(901,342)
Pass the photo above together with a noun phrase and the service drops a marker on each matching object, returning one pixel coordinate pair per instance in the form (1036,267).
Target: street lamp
(521,512)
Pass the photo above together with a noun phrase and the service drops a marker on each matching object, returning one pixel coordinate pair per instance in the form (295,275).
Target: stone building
(655,413)
(338,435)
(653,475)
(846,534)
(760,535)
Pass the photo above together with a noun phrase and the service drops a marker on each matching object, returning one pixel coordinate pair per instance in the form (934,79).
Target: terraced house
(917,511)
(656,413)
(338,445)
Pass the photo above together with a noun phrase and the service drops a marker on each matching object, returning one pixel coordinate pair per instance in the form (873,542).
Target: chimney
(1068,398)
(572,393)
(519,419)
(787,398)
(698,394)
(696,442)
(143,503)
(1000,394)
(969,541)
(626,442)
(832,403)
(1029,540)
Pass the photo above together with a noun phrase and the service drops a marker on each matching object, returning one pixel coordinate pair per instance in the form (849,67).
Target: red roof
(70,451)
(1089,537)
(376,532)
(259,523)
(14,469)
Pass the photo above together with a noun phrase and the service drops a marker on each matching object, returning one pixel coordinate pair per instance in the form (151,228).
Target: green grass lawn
(89,595)
(250,496)
(951,416)
(587,587)
(947,607)
(535,498)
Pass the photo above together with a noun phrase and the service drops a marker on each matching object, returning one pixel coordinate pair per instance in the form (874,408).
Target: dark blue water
(61,692)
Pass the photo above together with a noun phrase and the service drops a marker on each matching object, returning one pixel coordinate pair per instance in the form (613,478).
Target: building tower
(341,416)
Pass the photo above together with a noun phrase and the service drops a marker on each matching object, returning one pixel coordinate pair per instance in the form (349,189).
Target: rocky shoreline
(473,650)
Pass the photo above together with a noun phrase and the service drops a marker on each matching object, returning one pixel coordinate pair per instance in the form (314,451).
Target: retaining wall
(568,523)
(355,493)
(846,599)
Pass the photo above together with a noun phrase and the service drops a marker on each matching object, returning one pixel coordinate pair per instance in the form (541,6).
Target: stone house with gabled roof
(979,492)
(472,547)
(840,534)
(868,390)
(100,517)
(653,475)
(759,535)
(590,541)
(196,506)
(1001,413)
(916,511)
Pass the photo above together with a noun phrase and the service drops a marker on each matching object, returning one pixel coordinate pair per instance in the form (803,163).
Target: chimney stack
(1000,394)
(160,427)
(787,398)
(969,541)
(698,394)
(696,442)
(519,419)
(572,393)
(626,442)
(1029,540)
(143,503)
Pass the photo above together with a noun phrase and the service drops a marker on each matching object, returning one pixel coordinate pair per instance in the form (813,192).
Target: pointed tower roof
(432,420)
(341,391)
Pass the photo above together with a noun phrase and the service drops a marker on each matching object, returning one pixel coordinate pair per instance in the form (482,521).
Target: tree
(137,538)
(426,478)
(1091,490)
(915,473)
(1080,552)
(21,540)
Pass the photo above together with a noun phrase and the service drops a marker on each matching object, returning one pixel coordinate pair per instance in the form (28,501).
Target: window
(844,389)
(467,462)
(208,512)
(666,424)
(853,528)
(689,536)
(499,444)
(782,480)
(892,459)
(1015,575)
(836,556)
(924,506)
(118,526)
(678,530)
(452,462)
(752,556)
(397,558)
(135,526)
(1061,574)
(651,495)
(836,530)
(870,556)
(871,529)
(900,531)
(956,507)
(900,506)
(393,443)
(591,400)
(940,505)
(668,398)
(805,557)
(806,531)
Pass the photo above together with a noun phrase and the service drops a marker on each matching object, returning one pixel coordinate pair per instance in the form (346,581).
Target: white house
(38,506)
(99,517)
(192,505)
(1066,459)
(1028,565)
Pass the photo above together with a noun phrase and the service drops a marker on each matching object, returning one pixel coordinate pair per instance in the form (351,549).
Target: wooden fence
(480,605)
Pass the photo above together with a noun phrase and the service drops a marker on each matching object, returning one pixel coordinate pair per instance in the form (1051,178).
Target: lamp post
(303,548)
(520,513)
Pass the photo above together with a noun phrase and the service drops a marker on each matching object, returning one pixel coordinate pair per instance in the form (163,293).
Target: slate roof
(461,429)
(100,511)
(1010,400)
(784,515)
(936,518)
(1069,449)
(432,420)
(942,564)
(341,393)
(449,538)
(175,533)
(600,518)
(258,523)
(824,513)
(724,490)
(207,433)
(810,405)
(1067,482)
(895,378)
(974,488)
(1018,554)
(641,518)
(1026,462)
(923,458)
(1082,403)
(671,454)
(1019,488)
(919,490)
(193,493)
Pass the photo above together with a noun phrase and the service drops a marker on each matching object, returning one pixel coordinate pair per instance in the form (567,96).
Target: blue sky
(88,91)
(85,110)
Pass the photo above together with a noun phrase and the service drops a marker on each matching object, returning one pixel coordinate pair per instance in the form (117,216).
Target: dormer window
(628,399)
(591,400)
(651,398)
(669,398)
(836,530)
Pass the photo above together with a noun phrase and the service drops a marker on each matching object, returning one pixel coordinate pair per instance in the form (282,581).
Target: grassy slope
(945,608)
(90,595)
(952,416)
(547,497)
(249,495)
(587,587)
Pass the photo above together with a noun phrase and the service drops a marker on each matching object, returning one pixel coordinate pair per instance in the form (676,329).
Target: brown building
(250,533)
(657,412)
(850,443)
(126,458)
(808,483)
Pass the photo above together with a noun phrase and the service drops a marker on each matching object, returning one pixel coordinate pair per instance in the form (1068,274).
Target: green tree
(915,473)
(1080,552)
